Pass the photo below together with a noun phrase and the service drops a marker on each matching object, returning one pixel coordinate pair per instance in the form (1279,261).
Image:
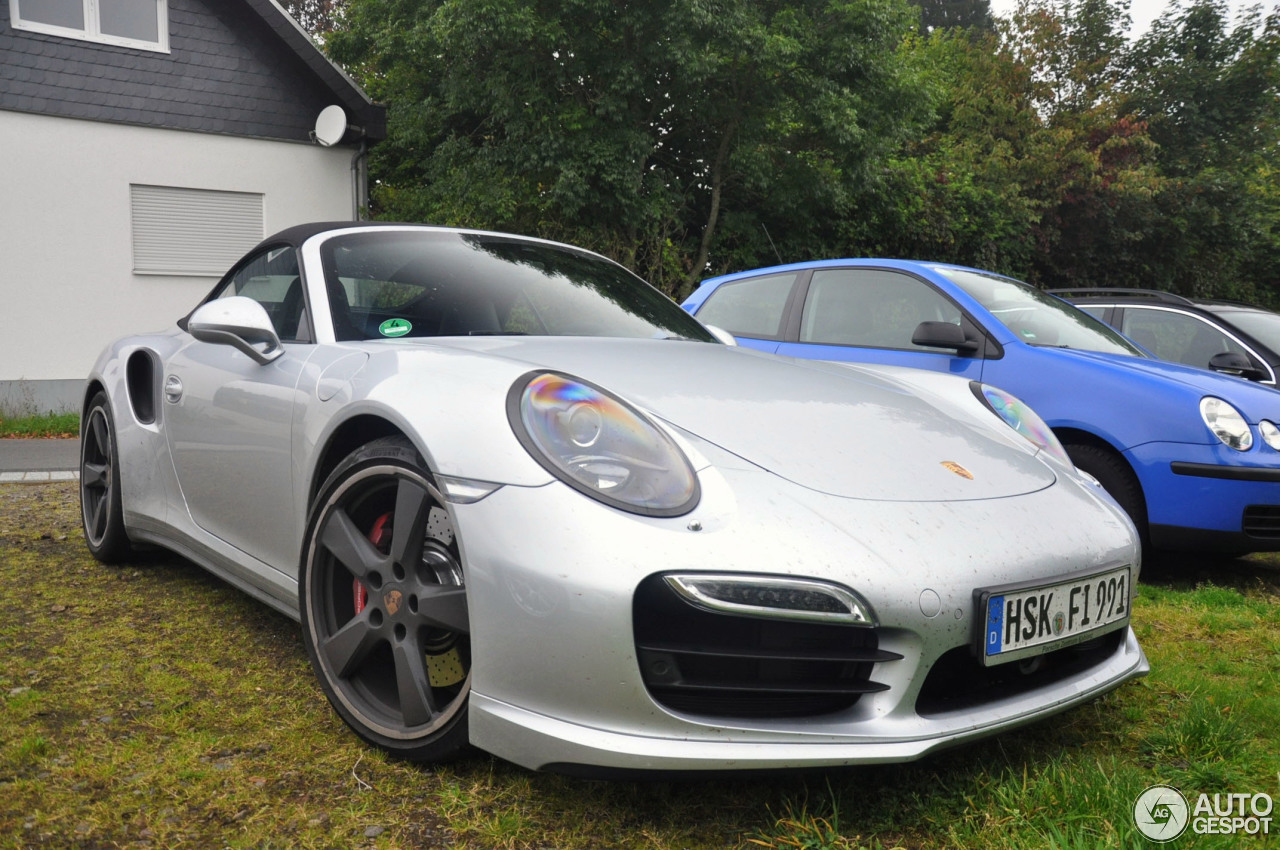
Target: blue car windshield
(1037,318)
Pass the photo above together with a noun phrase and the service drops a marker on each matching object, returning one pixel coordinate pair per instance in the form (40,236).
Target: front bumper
(531,739)
(552,577)
(1210,498)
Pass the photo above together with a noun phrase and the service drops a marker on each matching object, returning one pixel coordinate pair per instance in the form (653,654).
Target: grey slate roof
(240,67)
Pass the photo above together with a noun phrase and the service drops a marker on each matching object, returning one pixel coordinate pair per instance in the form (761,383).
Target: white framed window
(143,24)
(192,232)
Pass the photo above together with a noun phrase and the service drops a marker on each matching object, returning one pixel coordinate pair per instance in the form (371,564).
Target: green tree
(955,191)
(676,136)
(1075,52)
(1098,179)
(1211,95)
(955,14)
(318,17)
(1028,169)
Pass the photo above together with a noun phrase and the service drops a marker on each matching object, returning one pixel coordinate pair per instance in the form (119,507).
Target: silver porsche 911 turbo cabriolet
(520,500)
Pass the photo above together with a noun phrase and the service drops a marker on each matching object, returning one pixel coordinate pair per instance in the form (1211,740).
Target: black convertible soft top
(300,233)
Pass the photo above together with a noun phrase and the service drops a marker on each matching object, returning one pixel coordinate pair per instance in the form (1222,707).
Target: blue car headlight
(1270,434)
(1021,418)
(1226,423)
(601,446)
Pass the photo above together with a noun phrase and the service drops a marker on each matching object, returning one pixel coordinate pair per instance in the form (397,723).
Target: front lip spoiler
(1231,473)
(541,741)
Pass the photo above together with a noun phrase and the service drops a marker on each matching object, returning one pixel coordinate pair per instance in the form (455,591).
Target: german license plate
(1024,620)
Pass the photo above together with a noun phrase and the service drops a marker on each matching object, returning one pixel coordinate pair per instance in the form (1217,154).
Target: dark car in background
(1226,336)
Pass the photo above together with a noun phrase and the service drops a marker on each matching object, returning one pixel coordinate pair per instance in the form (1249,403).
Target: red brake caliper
(380,532)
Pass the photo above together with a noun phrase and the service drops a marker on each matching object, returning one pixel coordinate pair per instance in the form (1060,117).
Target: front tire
(1116,478)
(384,607)
(101,506)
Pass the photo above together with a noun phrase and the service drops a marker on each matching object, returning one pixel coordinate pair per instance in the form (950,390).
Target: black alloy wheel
(384,606)
(101,508)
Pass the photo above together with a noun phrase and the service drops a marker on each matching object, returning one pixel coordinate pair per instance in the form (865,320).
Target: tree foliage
(676,136)
(1026,168)
(955,14)
(686,137)
(1063,154)
(1211,95)
(318,17)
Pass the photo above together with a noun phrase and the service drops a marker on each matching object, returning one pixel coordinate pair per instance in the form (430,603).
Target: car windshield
(1037,318)
(389,284)
(1262,325)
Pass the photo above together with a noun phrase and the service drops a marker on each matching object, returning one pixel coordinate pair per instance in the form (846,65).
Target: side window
(1177,336)
(871,307)
(140,24)
(271,278)
(750,308)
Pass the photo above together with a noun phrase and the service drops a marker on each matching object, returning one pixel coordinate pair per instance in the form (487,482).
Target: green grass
(47,425)
(152,705)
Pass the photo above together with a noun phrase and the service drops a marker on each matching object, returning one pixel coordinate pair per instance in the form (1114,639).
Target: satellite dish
(331,126)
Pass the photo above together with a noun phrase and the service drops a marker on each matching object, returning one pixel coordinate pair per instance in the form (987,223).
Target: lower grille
(704,662)
(958,681)
(1262,521)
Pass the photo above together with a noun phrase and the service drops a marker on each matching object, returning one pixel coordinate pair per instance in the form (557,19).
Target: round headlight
(1021,418)
(1226,423)
(601,446)
(1270,434)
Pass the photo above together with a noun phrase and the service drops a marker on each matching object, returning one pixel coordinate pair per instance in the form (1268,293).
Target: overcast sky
(1143,12)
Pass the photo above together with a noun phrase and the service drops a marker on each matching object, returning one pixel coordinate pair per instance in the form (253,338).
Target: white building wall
(67,286)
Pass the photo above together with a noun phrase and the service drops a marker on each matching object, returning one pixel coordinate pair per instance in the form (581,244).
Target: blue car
(1193,456)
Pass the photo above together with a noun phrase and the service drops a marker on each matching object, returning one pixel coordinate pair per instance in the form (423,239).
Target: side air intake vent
(140,375)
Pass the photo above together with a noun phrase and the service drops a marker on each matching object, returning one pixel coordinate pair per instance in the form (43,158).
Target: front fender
(452,405)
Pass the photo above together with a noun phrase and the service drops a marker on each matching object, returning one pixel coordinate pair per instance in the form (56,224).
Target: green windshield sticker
(394,327)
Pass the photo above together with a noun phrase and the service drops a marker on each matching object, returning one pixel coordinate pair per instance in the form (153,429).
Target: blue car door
(870,315)
(755,310)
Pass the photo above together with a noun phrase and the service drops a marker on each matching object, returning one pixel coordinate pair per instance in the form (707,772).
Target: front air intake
(697,660)
(1262,521)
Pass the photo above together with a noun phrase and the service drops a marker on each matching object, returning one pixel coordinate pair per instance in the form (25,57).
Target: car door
(1179,336)
(229,420)
(754,309)
(870,315)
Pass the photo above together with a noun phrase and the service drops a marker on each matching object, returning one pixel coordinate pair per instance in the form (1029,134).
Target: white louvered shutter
(201,232)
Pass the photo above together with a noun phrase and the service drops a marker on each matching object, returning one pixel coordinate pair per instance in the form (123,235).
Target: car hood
(1253,400)
(845,431)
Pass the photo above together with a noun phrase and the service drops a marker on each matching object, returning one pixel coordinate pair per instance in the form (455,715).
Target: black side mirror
(1234,363)
(943,335)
